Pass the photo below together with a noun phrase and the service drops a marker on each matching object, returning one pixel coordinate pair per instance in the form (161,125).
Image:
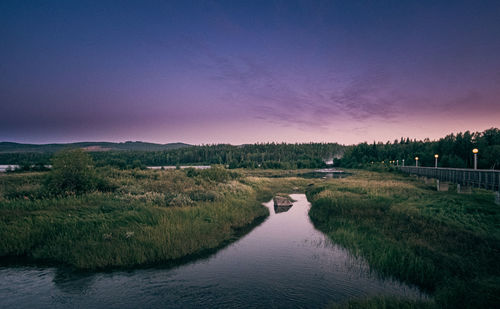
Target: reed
(446,243)
(152,216)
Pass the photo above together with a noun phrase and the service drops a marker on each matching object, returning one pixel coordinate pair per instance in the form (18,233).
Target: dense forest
(454,150)
(268,155)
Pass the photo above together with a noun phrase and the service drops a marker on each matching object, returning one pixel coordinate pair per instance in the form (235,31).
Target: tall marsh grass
(444,242)
(152,216)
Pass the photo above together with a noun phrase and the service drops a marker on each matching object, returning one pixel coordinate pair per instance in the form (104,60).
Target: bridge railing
(487,179)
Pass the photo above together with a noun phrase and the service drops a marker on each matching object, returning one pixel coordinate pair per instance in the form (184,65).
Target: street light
(475,151)
(436,156)
(416,161)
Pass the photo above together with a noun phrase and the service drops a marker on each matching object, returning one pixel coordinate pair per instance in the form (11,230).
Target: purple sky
(247,71)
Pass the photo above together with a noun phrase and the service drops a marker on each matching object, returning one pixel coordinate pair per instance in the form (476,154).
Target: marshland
(400,242)
(249,154)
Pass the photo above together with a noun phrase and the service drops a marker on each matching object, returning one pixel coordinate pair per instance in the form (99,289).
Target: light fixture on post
(475,151)
(416,161)
(436,156)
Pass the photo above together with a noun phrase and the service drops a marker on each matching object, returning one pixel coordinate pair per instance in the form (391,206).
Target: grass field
(446,243)
(151,217)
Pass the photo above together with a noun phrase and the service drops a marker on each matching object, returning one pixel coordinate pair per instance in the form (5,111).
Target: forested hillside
(9,147)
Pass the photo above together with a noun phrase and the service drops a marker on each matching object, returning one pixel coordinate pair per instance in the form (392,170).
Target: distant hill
(9,147)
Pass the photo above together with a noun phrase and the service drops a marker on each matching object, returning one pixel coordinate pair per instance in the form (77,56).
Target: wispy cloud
(289,98)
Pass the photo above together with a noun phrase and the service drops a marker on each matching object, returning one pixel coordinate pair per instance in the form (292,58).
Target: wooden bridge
(486,179)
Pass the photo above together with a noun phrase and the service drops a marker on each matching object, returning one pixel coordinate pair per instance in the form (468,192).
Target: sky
(239,72)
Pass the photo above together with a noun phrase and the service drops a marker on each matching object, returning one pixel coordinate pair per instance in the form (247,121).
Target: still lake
(284,263)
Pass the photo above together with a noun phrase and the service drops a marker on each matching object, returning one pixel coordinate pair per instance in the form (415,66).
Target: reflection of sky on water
(284,262)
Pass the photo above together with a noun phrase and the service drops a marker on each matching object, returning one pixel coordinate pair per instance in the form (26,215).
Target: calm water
(284,263)
(4,167)
(173,167)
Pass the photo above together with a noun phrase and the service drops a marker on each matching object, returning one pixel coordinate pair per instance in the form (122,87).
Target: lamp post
(416,161)
(475,151)
(436,156)
(403,162)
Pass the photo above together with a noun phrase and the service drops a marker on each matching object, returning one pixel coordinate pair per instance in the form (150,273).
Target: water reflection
(284,262)
(70,281)
(278,209)
(325,173)
(173,167)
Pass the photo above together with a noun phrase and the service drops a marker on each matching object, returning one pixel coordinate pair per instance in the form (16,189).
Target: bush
(216,173)
(72,172)
(203,196)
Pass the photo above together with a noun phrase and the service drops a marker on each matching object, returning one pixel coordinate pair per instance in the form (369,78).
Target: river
(284,263)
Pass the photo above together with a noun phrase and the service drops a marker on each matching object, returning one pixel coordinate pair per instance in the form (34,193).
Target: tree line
(263,155)
(454,150)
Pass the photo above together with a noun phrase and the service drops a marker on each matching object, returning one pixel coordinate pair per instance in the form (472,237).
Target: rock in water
(282,204)
(282,201)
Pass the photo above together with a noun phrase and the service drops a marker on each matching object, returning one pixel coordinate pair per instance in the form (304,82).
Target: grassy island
(147,216)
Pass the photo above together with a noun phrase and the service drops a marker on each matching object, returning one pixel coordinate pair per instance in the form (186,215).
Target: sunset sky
(247,71)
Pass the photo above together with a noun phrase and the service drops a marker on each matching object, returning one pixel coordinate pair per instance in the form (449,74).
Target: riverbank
(152,217)
(444,242)
(282,262)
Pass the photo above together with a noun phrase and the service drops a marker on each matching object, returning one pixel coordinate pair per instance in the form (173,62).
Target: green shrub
(216,173)
(72,172)
(203,196)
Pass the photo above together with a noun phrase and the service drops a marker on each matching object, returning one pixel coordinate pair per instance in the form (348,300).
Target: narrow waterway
(284,263)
